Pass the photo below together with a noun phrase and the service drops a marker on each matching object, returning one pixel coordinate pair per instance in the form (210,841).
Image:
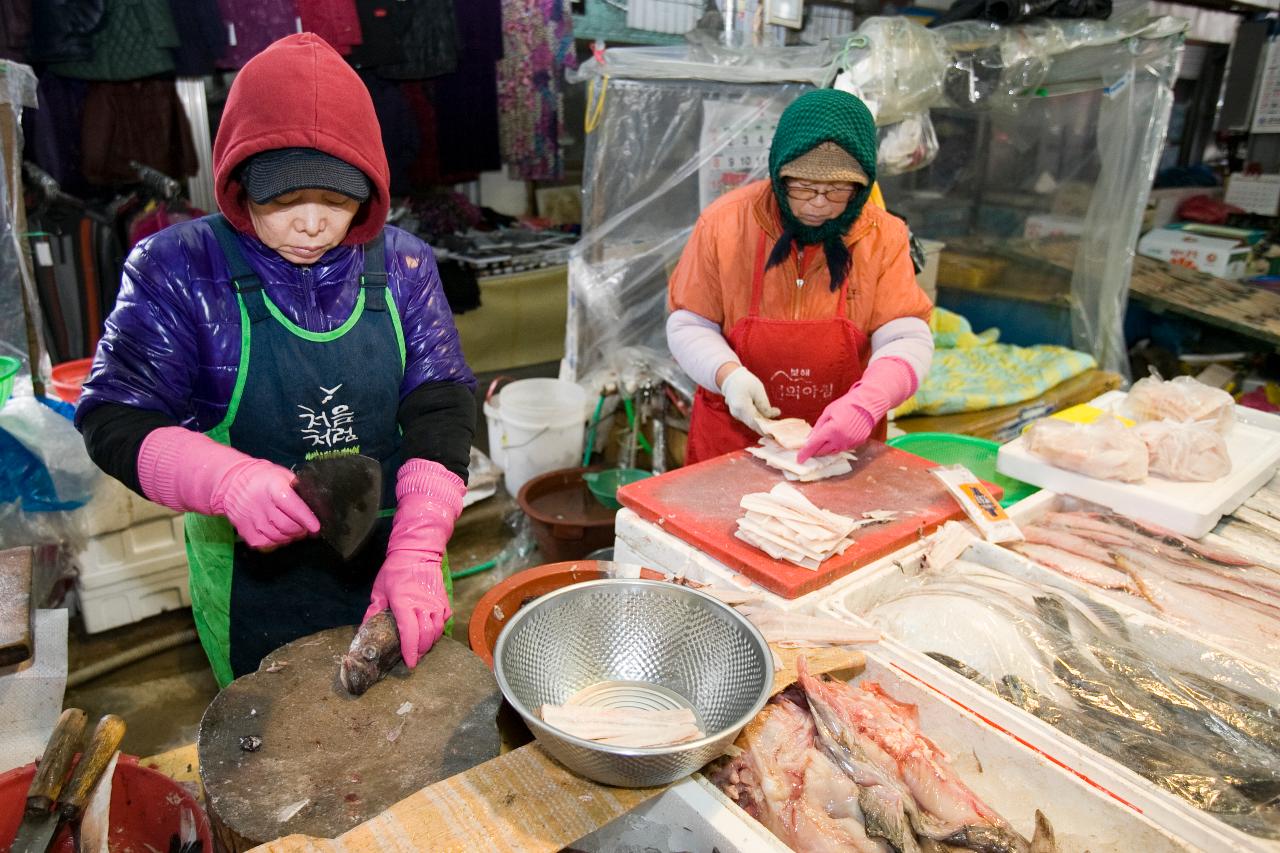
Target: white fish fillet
(776,456)
(1078,567)
(790,433)
(1105,449)
(775,551)
(787,526)
(632,727)
(947,543)
(781,627)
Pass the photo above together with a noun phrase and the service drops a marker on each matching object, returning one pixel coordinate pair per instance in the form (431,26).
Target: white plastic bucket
(535,426)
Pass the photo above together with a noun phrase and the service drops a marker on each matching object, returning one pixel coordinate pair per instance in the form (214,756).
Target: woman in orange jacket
(796,298)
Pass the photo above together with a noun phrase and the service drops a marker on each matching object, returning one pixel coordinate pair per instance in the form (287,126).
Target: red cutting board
(699,504)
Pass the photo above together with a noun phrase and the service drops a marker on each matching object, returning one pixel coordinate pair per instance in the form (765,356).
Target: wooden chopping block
(328,761)
(522,801)
(15,606)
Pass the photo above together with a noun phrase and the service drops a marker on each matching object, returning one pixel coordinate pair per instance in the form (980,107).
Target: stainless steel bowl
(634,644)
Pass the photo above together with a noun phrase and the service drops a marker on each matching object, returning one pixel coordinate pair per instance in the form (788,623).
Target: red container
(146,807)
(568,522)
(501,603)
(68,377)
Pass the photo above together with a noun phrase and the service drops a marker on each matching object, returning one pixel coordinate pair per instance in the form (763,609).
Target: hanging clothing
(381,25)
(61,30)
(466,102)
(401,132)
(804,364)
(15,29)
(201,39)
(429,40)
(250,25)
(139,120)
(136,39)
(537,48)
(335,21)
(54,131)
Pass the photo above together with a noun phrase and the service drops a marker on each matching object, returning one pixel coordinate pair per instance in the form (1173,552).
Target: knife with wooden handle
(106,740)
(39,820)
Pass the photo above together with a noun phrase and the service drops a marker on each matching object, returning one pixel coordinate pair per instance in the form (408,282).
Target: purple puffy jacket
(172,342)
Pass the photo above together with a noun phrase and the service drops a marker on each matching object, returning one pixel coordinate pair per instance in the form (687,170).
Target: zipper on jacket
(802,263)
(309,287)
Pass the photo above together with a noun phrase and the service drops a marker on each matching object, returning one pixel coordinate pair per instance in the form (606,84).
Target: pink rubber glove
(847,422)
(411,581)
(189,472)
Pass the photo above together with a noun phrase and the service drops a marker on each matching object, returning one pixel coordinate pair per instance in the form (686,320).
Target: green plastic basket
(976,454)
(605,484)
(8,370)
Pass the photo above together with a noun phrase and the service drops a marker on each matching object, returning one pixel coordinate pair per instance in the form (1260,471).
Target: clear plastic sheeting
(1199,724)
(17,91)
(1028,150)
(714,63)
(662,150)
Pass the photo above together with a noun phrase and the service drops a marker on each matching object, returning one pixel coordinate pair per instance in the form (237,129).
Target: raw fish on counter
(786,525)
(1182,398)
(830,767)
(1105,449)
(790,433)
(1076,664)
(1206,587)
(775,455)
(1189,452)
(1253,529)
(374,651)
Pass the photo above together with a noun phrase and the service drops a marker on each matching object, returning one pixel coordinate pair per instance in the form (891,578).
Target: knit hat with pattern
(823,115)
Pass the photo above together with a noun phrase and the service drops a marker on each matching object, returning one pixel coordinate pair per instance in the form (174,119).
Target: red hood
(300,93)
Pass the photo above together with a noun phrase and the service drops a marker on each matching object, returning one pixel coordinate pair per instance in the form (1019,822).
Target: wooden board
(15,606)
(699,504)
(329,761)
(520,802)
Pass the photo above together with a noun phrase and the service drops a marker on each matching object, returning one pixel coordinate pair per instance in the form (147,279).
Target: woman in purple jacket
(294,325)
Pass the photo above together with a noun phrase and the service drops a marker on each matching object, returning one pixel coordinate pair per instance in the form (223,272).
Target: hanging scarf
(813,118)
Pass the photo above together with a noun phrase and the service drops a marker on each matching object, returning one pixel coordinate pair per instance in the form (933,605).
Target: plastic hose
(475,570)
(631,420)
(591,433)
(137,653)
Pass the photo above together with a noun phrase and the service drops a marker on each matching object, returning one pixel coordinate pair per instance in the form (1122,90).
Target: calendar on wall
(734,145)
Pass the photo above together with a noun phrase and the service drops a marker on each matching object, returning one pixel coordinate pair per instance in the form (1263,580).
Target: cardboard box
(1222,252)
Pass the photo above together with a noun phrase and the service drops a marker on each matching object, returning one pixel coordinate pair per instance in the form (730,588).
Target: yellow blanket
(971,372)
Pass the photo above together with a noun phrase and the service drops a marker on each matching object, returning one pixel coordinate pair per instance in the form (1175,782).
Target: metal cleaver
(344,492)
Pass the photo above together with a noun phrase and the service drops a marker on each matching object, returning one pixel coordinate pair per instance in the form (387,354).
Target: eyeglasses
(834,195)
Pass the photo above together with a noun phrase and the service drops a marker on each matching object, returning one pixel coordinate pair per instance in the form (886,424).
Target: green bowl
(605,484)
(976,454)
(9,368)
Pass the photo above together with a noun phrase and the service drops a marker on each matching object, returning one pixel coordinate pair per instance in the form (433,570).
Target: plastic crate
(976,454)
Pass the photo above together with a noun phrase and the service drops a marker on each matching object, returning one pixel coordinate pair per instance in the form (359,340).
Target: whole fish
(374,651)
(869,723)
(1073,565)
(1065,540)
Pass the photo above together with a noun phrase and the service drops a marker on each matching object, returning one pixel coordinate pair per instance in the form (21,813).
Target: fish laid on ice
(374,651)
(1074,565)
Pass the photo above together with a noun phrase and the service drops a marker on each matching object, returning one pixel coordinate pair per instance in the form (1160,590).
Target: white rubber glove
(746,398)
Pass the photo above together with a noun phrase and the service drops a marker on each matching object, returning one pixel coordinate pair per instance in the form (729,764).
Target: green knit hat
(823,115)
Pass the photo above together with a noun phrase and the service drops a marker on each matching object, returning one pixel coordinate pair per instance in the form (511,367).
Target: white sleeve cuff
(698,347)
(907,338)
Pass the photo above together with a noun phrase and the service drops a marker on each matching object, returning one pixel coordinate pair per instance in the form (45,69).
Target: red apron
(804,365)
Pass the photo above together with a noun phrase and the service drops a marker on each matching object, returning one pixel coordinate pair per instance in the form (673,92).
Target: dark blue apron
(302,395)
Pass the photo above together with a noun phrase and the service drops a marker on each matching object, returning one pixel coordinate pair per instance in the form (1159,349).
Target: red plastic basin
(68,377)
(146,807)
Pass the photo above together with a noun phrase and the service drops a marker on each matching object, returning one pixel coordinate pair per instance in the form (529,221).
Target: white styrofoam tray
(1167,642)
(134,599)
(1191,509)
(991,750)
(646,544)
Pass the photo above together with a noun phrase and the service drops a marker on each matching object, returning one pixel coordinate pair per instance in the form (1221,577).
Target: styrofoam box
(114,507)
(690,815)
(1171,643)
(1191,509)
(130,574)
(646,544)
